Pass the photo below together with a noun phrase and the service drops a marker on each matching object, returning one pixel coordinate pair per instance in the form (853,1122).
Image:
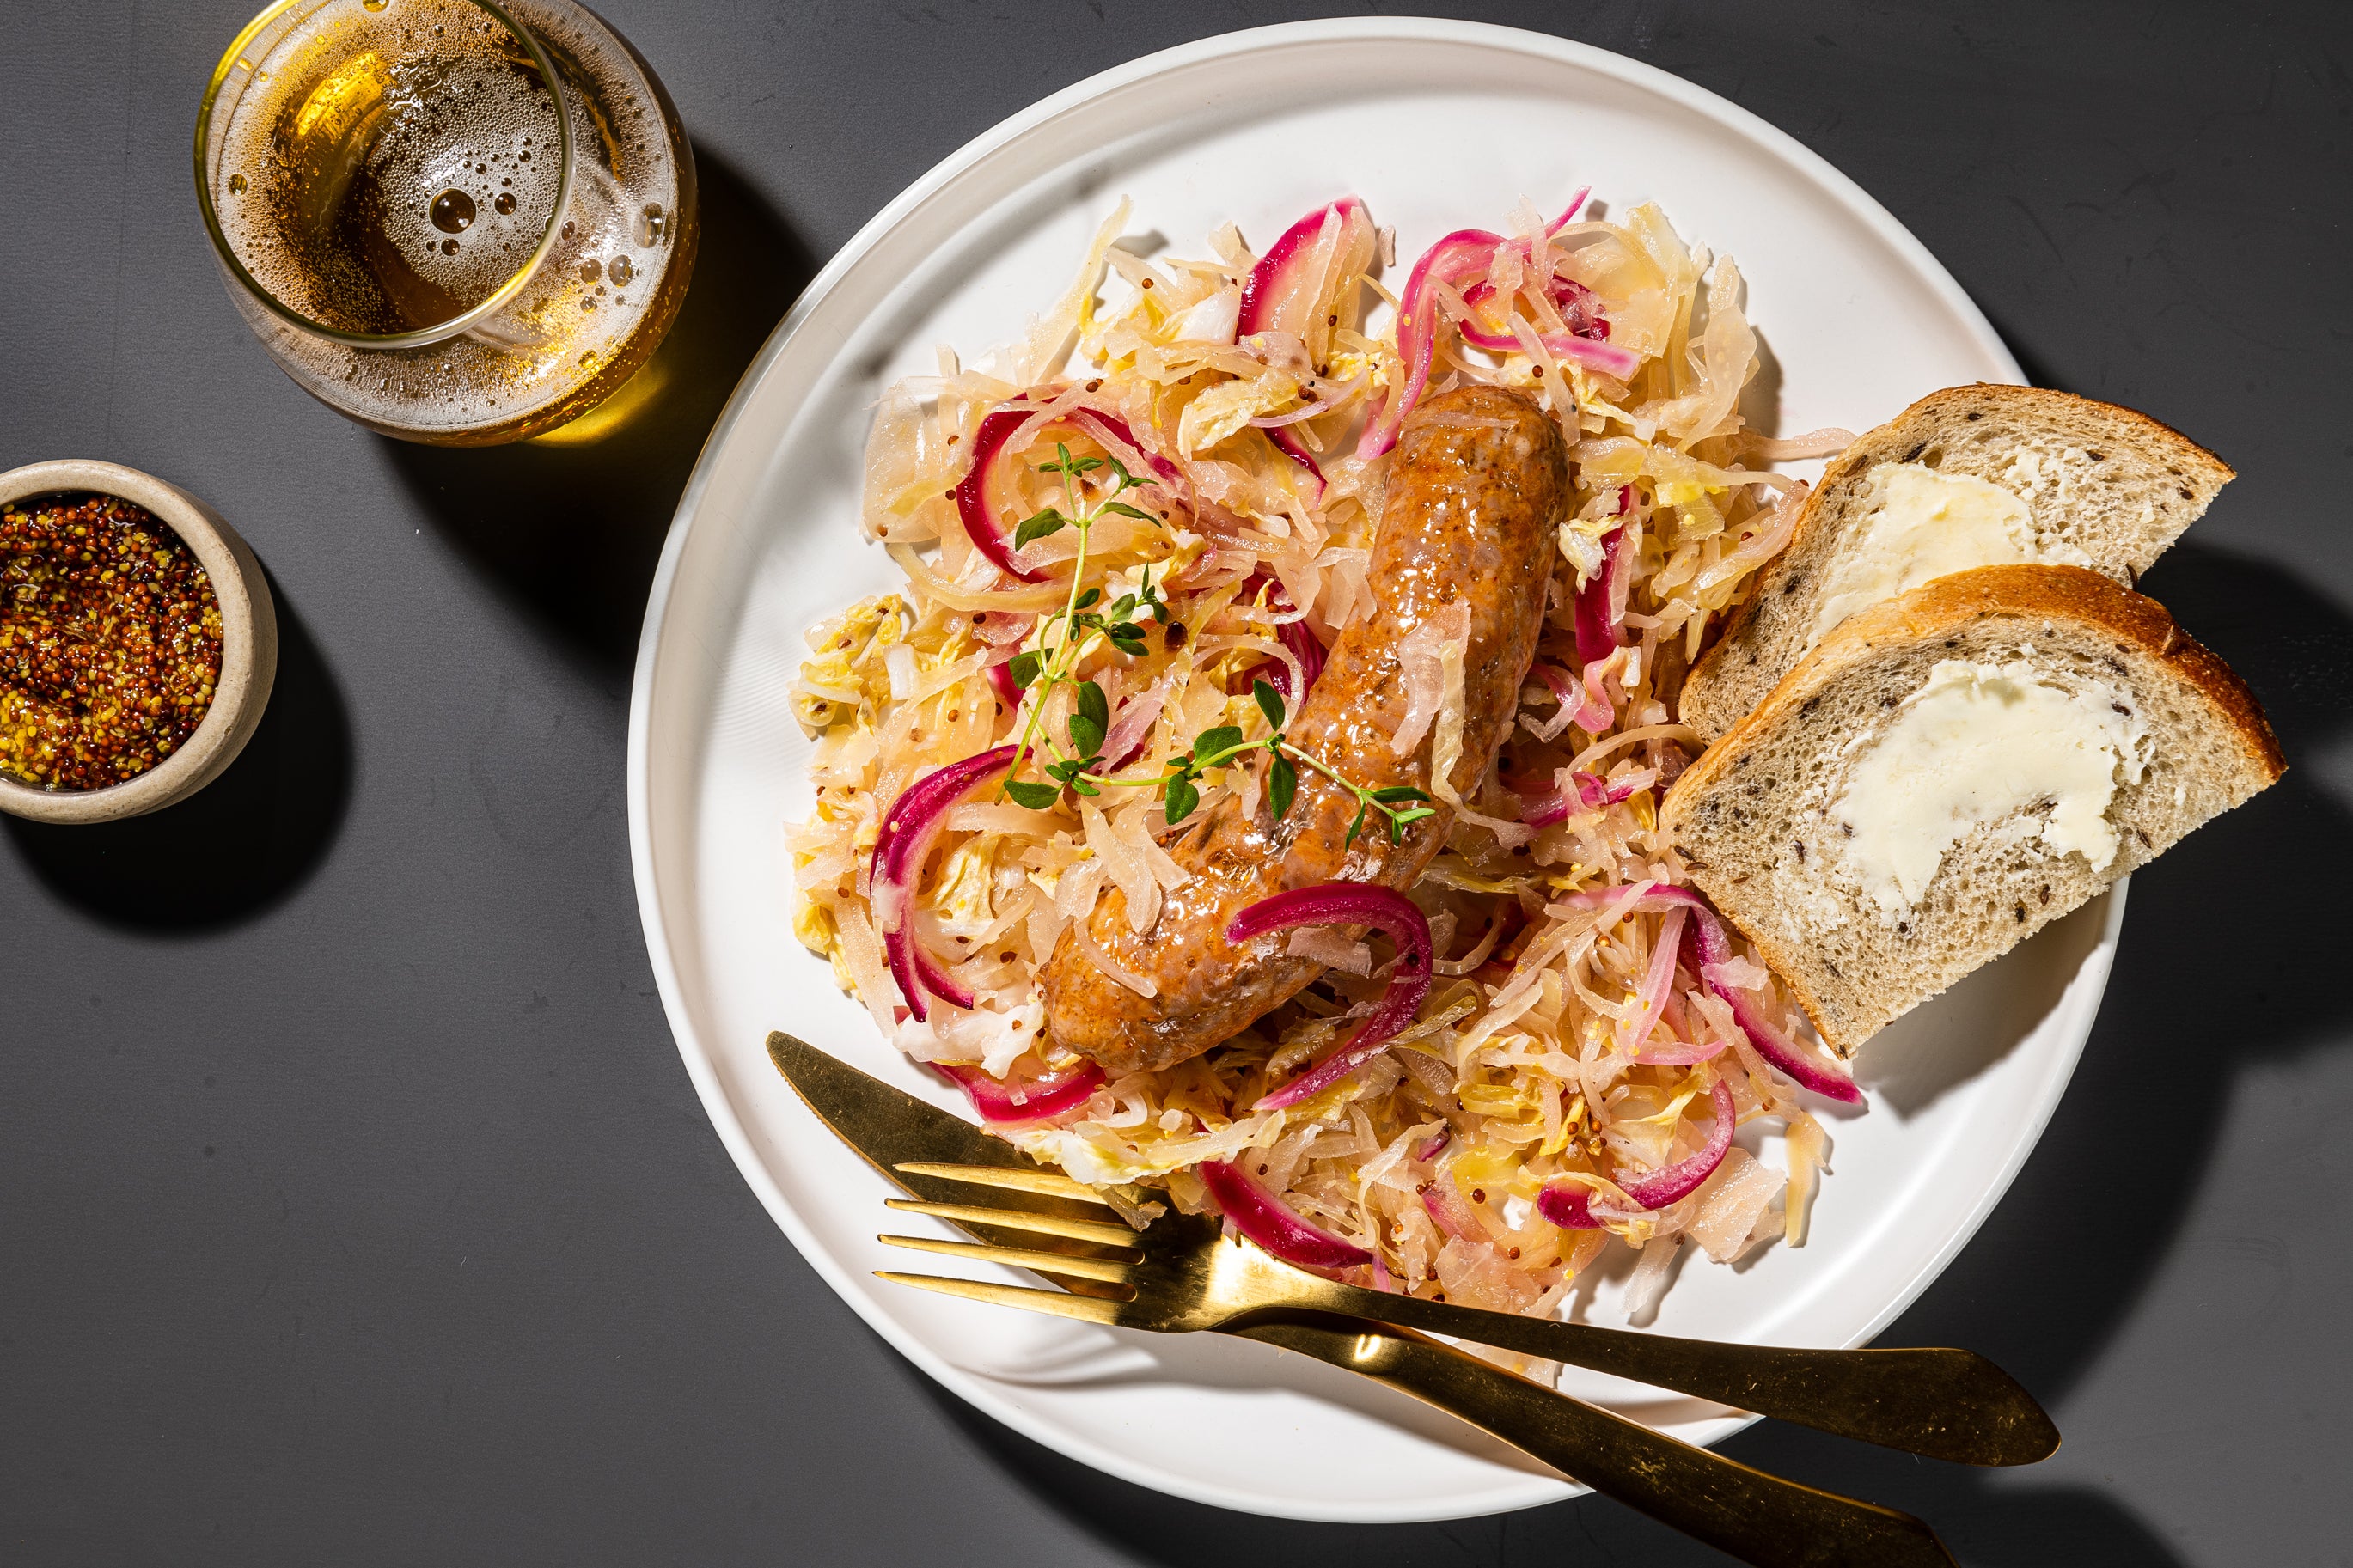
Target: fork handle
(1759,1519)
(1944,1404)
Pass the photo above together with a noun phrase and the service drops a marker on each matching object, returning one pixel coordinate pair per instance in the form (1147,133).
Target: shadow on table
(2057,1269)
(239,846)
(2064,1239)
(1987,1524)
(571,533)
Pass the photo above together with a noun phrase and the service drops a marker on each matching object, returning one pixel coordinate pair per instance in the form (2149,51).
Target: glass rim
(499,298)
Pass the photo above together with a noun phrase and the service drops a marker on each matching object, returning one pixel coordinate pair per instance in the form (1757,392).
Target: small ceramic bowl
(248,647)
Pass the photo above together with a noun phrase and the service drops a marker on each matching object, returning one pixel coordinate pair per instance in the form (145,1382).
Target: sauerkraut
(1565,1044)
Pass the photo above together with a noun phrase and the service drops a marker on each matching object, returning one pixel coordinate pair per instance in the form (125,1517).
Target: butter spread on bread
(1971,476)
(1865,829)
(1978,744)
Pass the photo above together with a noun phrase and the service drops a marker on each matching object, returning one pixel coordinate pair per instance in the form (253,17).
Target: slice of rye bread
(1752,817)
(2112,483)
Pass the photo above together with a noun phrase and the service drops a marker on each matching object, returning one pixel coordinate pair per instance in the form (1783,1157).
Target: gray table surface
(354,1205)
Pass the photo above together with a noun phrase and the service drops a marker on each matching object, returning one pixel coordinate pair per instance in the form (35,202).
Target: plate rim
(701,1063)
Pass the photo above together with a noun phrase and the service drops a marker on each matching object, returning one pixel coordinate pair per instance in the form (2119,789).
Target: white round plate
(1437,125)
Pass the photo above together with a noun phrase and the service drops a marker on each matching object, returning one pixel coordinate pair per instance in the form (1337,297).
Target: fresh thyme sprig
(1040,670)
(1074,629)
(1215,748)
(1400,805)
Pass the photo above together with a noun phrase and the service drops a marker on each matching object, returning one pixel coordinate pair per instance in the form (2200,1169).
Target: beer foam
(359,121)
(492,132)
(352,128)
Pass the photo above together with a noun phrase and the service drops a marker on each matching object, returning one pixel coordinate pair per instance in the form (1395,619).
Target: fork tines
(1051,1183)
(1059,1303)
(1108,1270)
(1102,1233)
(1101,1271)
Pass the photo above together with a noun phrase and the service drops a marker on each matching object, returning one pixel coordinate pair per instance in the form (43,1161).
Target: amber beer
(455,221)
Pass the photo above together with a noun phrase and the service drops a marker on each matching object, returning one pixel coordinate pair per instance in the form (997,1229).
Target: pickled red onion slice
(901,848)
(1569,1206)
(1359,904)
(911,961)
(1131,727)
(1548,805)
(1547,810)
(1000,678)
(1465,254)
(1042,1100)
(1462,257)
(1115,435)
(1287,292)
(972,494)
(1681,1053)
(1782,1052)
(1596,792)
(1651,997)
(1583,347)
(974,507)
(1289,443)
(1439,1201)
(1596,713)
(1580,307)
(1714,949)
(1279,290)
(1293,633)
(1267,1220)
(1602,604)
(1682,1178)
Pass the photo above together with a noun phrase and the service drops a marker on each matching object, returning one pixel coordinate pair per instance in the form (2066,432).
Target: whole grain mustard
(110,641)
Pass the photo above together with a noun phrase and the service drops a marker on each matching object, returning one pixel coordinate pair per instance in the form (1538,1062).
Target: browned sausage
(1475,491)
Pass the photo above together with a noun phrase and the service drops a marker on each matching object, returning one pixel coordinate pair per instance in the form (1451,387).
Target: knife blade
(1759,1519)
(889,1127)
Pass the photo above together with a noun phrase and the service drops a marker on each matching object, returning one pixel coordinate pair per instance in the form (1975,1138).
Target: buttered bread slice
(1951,771)
(1971,476)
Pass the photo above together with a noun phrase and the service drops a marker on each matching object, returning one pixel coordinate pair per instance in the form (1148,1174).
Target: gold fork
(1181,1274)
(1184,1274)
(1758,1517)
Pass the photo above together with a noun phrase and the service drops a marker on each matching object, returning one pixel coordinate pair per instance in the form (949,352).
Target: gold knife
(1760,1519)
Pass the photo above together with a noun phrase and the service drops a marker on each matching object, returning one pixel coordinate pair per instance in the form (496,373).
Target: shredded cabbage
(1562,1043)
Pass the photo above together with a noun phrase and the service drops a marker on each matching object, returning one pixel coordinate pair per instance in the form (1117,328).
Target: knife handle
(1759,1519)
(1944,1404)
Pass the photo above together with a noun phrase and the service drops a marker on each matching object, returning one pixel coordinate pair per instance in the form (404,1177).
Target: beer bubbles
(452,212)
(408,172)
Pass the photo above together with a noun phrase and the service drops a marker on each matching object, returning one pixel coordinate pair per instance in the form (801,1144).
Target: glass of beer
(455,221)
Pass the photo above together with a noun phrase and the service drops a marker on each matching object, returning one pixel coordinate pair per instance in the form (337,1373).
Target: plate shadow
(571,533)
(2061,1237)
(1982,1018)
(1993,1523)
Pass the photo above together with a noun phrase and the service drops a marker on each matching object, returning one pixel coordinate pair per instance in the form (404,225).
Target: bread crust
(1899,440)
(2086,599)
(2071,593)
